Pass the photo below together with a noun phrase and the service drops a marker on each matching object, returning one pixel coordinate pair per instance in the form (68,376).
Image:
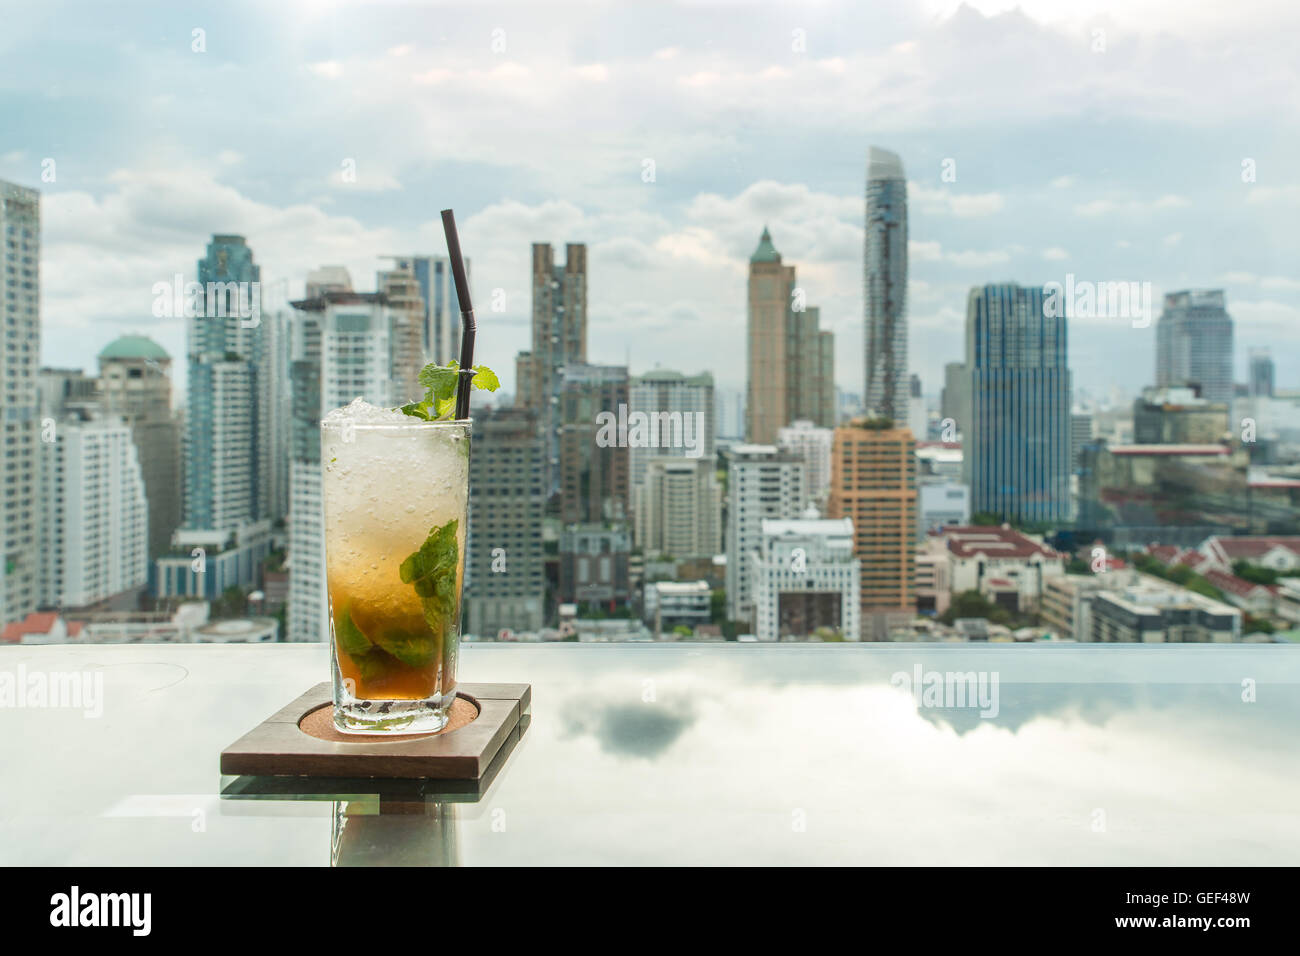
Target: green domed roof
(135,347)
(766,252)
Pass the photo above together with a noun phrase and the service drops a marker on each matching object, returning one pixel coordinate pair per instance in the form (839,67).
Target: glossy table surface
(690,754)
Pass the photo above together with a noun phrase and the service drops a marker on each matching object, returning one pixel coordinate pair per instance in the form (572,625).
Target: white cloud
(1130,207)
(948,202)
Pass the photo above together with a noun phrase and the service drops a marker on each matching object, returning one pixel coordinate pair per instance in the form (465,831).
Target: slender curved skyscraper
(884,287)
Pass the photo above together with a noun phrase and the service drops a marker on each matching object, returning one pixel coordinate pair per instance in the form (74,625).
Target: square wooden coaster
(279,746)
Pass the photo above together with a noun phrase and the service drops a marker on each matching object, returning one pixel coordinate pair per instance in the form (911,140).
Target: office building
(680,414)
(505,574)
(729,412)
(941,503)
(873,484)
(679,508)
(95,525)
(559,339)
(791,364)
(1154,611)
(1261,378)
(594,565)
(806,580)
(954,398)
(1194,344)
(673,604)
(1017,449)
(135,384)
(439,306)
(812,443)
(1081,433)
(763,482)
(998,561)
(20,350)
(593,455)
(1178,416)
(1066,608)
(884,285)
(401,290)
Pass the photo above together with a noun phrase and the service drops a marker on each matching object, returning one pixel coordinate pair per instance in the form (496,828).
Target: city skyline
(667,254)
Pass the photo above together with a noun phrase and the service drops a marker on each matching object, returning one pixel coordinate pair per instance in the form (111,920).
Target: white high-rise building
(813,445)
(20,349)
(674,402)
(679,508)
(342,350)
(762,482)
(95,519)
(805,578)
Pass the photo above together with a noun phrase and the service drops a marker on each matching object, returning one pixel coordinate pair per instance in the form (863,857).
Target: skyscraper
(1261,381)
(135,384)
(762,482)
(227,461)
(505,573)
(791,362)
(401,289)
(884,287)
(593,463)
(672,399)
(954,394)
(559,339)
(873,483)
(95,529)
(20,349)
(441,305)
(1017,449)
(1194,343)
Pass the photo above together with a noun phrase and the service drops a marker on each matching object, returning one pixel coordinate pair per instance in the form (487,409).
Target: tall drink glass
(396,493)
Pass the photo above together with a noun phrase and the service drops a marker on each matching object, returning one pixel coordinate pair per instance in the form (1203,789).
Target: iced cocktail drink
(396,492)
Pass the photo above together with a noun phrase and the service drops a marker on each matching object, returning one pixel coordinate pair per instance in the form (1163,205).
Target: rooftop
(766,252)
(991,541)
(134,347)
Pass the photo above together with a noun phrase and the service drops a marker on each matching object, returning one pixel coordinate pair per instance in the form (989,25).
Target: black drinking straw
(467,327)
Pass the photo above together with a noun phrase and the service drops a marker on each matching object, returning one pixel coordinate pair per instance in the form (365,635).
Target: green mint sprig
(439,402)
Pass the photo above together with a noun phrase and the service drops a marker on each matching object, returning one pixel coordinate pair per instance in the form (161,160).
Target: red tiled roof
(1231,583)
(38,622)
(1256,547)
(1164,553)
(995,542)
(1193,559)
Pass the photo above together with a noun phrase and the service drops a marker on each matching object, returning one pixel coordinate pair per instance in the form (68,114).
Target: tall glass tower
(884,288)
(227,467)
(1194,343)
(1017,447)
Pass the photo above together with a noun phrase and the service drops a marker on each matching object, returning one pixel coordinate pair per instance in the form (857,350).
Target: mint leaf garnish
(432,571)
(370,663)
(351,639)
(413,650)
(439,402)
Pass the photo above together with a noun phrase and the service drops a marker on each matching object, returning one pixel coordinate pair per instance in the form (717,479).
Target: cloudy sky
(1103,140)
